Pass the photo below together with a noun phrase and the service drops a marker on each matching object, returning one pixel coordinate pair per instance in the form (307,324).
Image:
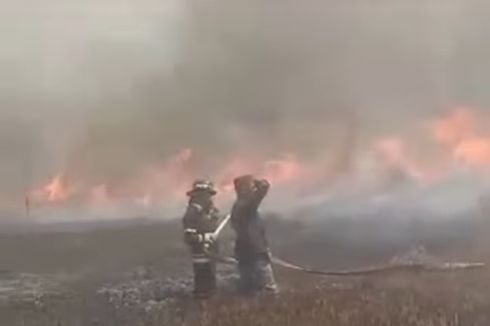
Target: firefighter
(251,245)
(200,220)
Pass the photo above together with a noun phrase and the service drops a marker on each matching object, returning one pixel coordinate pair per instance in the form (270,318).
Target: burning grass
(445,145)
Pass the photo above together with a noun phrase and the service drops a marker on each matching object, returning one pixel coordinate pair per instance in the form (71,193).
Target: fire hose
(387,268)
(221,226)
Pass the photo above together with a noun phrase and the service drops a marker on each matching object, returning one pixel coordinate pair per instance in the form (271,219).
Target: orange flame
(394,153)
(460,133)
(56,190)
(235,167)
(284,170)
(458,138)
(459,125)
(474,151)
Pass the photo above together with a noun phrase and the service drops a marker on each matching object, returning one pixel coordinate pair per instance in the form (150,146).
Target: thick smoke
(100,90)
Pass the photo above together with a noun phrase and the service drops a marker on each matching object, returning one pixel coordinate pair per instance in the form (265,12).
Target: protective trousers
(204,275)
(256,275)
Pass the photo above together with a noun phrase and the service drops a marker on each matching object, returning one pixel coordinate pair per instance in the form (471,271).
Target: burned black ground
(137,273)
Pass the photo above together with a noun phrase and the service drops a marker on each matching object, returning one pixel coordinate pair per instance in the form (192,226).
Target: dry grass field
(132,274)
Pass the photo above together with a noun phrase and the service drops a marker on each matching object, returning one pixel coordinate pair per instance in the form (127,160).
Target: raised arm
(262,188)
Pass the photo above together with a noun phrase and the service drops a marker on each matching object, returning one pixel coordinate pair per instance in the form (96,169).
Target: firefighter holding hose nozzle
(200,221)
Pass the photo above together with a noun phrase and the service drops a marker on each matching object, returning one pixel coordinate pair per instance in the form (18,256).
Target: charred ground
(137,273)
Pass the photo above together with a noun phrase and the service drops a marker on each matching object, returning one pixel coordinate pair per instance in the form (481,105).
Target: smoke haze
(101,90)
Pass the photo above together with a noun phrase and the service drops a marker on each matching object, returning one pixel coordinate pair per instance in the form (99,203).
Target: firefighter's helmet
(202,185)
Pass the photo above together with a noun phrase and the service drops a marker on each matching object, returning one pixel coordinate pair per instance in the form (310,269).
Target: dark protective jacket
(251,241)
(201,215)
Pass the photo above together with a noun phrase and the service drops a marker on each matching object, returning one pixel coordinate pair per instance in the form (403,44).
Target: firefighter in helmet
(200,220)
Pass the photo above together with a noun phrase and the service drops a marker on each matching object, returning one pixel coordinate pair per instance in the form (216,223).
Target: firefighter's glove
(192,237)
(209,238)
